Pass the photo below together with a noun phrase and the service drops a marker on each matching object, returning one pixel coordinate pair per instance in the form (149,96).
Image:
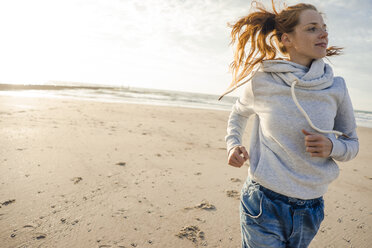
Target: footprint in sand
(235,180)
(192,233)
(201,220)
(233,193)
(76,179)
(41,236)
(203,205)
(8,202)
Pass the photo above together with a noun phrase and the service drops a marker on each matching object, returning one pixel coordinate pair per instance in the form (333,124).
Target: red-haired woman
(303,122)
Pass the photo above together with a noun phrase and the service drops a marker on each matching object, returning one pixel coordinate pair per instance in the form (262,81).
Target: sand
(77,173)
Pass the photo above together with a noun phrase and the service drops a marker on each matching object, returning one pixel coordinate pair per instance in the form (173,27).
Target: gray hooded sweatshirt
(278,159)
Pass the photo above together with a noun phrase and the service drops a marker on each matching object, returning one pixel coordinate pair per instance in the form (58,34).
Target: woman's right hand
(237,156)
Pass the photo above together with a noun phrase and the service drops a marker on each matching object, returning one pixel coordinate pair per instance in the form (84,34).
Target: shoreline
(165,104)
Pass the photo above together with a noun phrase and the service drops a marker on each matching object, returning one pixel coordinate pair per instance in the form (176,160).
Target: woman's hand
(237,156)
(317,145)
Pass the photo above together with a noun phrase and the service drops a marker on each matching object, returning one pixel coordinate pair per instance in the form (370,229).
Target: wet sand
(96,174)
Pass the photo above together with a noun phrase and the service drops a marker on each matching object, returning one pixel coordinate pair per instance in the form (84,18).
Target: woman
(303,122)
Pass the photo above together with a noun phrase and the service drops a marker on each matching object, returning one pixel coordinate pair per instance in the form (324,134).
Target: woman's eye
(314,29)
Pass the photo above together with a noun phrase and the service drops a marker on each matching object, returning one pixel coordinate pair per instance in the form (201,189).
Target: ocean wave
(138,95)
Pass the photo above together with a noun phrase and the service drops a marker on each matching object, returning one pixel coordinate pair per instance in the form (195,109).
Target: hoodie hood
(319,76)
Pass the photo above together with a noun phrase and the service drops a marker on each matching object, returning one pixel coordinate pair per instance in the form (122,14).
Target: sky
(164,44)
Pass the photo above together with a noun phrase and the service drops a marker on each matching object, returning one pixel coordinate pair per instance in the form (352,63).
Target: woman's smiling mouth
(322,44)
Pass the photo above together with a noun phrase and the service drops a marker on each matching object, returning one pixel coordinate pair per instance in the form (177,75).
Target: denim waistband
(289,200)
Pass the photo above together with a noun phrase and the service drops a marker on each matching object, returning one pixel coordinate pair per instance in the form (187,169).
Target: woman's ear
(286,40)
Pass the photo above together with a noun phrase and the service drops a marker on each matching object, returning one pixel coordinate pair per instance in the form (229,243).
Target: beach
(81,173)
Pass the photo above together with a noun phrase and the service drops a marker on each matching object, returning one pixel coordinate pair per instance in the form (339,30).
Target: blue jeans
(269,219)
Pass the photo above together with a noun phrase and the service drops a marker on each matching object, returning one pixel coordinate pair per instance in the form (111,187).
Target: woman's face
(309,39)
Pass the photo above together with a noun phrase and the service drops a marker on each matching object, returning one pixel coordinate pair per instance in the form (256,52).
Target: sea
(135,95)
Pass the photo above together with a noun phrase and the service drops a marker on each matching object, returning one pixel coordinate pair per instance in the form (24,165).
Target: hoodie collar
(318,76)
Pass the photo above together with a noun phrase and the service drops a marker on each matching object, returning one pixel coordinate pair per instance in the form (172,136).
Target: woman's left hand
(317,145)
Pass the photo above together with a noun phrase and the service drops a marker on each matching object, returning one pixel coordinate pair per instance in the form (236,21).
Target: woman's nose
(324,33)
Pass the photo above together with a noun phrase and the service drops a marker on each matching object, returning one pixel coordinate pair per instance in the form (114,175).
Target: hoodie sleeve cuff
(230,148)
(338,148)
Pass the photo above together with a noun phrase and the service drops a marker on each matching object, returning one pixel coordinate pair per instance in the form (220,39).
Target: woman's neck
(301,61)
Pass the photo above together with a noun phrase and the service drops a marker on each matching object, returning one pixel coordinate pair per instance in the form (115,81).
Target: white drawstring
(307,117)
